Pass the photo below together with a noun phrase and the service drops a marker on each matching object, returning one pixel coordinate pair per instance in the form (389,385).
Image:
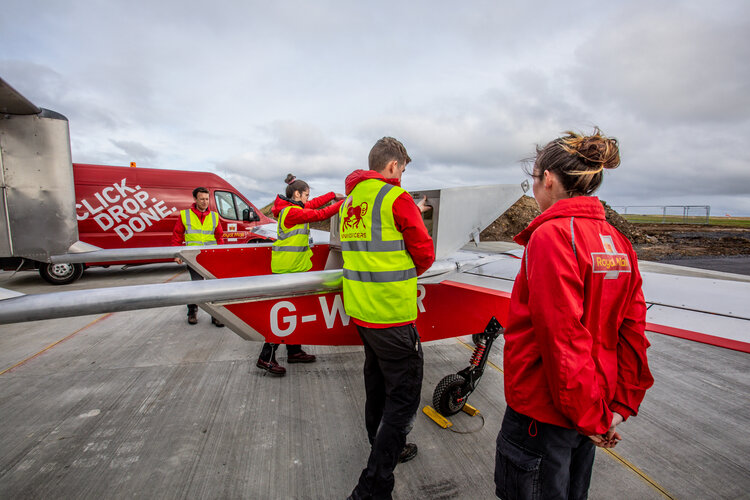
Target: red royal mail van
(131,207)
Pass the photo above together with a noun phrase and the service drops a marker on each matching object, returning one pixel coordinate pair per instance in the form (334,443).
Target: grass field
(679,219)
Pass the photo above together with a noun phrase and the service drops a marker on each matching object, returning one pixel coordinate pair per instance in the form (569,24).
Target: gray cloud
(255,90)
(136,151)
(669,63)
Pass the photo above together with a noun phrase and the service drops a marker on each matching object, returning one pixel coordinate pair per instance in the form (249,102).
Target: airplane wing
(698,305)
(285,308)
(456,297)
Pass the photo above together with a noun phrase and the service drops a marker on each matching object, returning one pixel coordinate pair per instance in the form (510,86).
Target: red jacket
(311,212)
(409,221)
(178,233)
(575,348)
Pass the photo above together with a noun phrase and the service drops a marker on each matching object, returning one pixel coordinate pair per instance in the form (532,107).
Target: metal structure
(458,214)
(670,214)
(37,203)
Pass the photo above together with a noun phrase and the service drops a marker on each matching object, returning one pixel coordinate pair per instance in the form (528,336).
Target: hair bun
(596,151)
(290,178)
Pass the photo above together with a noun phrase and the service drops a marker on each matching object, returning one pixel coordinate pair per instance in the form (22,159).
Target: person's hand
(616,420)
(601,440)
(338,196)
(178,260)
(612,437)
(423,206)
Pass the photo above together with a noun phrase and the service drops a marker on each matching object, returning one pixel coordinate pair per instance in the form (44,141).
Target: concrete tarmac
(140,404)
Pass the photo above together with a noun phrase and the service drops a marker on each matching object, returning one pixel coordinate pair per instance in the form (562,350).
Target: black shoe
(409,452)
(217,323)
(193,317)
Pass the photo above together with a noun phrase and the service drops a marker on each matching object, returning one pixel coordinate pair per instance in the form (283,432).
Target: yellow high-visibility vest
(197,233)
(380,280)
(291,250)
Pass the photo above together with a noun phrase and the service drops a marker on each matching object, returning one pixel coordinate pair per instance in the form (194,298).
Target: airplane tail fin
(13,103)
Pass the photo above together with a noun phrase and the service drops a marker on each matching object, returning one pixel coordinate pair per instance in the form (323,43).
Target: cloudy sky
(254,90)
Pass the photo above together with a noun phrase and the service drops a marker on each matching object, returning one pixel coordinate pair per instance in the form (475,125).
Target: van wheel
(60,274)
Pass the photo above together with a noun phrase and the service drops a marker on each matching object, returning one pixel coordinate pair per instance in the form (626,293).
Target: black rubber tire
(446,395)
(60,274)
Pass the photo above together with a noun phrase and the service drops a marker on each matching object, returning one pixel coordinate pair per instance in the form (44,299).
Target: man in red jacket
(385,246)
(196,218)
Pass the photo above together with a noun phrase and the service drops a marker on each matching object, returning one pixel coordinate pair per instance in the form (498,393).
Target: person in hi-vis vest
(385,246)
(197,225)
(291,252)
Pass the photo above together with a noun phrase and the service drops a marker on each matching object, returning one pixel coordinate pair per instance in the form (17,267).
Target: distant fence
(665,214)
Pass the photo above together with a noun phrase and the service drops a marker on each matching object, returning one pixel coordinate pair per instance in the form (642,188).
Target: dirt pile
(651,241)
(267,210)
(512,222)
(517,217)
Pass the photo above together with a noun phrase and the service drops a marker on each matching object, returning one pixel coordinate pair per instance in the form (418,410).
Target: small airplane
(465,292)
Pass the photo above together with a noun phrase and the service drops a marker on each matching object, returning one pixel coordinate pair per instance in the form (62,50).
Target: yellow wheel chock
(444,422)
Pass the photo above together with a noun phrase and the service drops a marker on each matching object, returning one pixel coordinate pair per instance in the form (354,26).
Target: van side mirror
(249,215)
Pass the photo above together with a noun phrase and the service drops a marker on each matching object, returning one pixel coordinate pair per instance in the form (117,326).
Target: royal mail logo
(354,216)
(610,262)
(606,262)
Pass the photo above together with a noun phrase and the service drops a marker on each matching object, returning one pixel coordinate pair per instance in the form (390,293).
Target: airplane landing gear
(453,390)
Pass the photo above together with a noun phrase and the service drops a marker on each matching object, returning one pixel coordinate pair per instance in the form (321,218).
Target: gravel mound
(517,217)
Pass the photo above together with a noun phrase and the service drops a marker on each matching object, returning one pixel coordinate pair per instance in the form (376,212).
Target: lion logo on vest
(354,216)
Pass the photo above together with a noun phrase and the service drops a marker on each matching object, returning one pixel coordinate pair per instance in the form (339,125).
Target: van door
(236,215)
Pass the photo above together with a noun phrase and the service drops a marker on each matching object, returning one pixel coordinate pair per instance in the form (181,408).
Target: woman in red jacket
(292,254)
(575,348)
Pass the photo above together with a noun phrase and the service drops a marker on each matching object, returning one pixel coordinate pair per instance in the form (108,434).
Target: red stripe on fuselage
(703,338)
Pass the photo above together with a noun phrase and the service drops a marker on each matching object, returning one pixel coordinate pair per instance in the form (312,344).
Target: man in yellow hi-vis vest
(197,225)
(385,246)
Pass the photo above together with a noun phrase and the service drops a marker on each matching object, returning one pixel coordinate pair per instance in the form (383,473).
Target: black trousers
(393,385)
(269,350)
(194,276)
(541,461)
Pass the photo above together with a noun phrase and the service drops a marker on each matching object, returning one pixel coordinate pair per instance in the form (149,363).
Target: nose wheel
(449,397)
(453,390)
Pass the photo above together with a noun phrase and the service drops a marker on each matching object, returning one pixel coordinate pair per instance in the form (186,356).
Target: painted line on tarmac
(100,318)
(642,474)
(615,455)
(55,343)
